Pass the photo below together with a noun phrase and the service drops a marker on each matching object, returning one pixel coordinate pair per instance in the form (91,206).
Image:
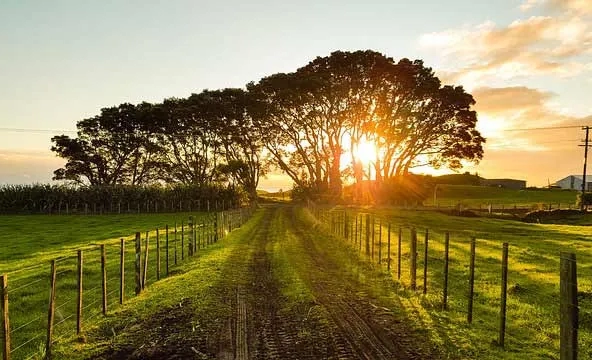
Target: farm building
(574,182)
(504,183)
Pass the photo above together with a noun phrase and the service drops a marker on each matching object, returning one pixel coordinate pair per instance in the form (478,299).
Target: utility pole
(586,145)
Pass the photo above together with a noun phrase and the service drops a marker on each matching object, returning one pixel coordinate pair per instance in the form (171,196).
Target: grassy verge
(31,243)
(201,289)
(533,300)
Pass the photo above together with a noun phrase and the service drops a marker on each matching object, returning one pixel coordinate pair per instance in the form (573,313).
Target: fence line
(91,284)
(456,276)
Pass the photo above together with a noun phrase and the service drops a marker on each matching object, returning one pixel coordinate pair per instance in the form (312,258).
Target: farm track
(359,329)
(340,323)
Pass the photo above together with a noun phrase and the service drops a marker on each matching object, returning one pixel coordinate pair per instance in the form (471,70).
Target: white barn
(574,182)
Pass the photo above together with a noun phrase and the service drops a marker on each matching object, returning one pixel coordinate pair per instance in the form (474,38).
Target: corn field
(60,199)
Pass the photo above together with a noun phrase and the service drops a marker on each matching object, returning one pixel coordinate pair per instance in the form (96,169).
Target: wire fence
(92,281)
(502,291)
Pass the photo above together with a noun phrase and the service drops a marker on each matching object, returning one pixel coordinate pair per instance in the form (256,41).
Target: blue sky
(64,60)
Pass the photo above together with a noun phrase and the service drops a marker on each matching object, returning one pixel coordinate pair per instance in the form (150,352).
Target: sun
(365,151)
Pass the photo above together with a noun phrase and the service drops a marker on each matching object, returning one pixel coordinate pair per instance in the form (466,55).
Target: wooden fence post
(121,271)
(356,231)
(361,231)
(167,249)
(216,230)
(138,264)
(79,304)
(446,256)
(145,267)
(471,282)
(182,240)
(380,241)
(191,231)
(5,317)
(175,245)
(568,307)
(51,310)
(157,254)
(399,253)
(367,234)
(345,226)
(373,232)
(199,236)
(388,249)
(413,258)
(502,329)
(425,263)
(104,278)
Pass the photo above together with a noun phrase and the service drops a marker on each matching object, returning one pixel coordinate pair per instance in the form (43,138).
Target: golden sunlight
(365,151)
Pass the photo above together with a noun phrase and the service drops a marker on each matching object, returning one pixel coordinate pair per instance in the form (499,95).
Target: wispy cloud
(557,44)
(503,112)
(581,7)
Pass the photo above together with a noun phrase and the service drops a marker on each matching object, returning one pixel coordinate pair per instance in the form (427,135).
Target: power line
(547,128)
(40,131)
(506,145)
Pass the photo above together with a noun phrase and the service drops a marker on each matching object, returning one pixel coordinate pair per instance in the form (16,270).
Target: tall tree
(419,122)
(242,145)
(288,126)
(114,147)
(191,139)
(347,96)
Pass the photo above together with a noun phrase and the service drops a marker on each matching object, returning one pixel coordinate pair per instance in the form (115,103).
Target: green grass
(450,195)
(533,301)
(206,280)
(30,242)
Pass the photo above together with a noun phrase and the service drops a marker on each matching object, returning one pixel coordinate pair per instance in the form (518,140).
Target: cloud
(538,45)
(526,136)
(505,112)
(581,7)
(26,167)
(509,99)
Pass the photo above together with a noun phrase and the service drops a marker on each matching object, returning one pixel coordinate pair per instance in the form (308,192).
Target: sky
(528,63)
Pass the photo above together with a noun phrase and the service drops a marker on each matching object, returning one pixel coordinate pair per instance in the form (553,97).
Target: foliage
(40,198)
(583,199)
(207,139)
(115,147)
(303,120)
(342,99)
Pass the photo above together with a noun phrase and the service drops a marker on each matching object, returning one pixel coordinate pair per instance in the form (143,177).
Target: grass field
(300,293)
(533,300)
(451,195)
(29,243)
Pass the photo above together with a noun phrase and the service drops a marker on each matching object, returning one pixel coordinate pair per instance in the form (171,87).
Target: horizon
(527,63)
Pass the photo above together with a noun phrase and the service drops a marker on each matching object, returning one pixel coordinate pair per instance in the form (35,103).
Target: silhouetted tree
(115,147)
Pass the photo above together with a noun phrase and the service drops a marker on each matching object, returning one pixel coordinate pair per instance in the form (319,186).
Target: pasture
(29,244)
(300,256)
(451,195)
(532,328)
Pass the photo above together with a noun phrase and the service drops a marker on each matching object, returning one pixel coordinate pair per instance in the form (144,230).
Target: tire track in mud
(274,335)
(356,331)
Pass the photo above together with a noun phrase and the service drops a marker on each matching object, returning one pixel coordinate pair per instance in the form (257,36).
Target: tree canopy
(308,123)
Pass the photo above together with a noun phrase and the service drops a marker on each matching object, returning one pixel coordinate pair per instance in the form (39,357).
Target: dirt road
(284,296)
